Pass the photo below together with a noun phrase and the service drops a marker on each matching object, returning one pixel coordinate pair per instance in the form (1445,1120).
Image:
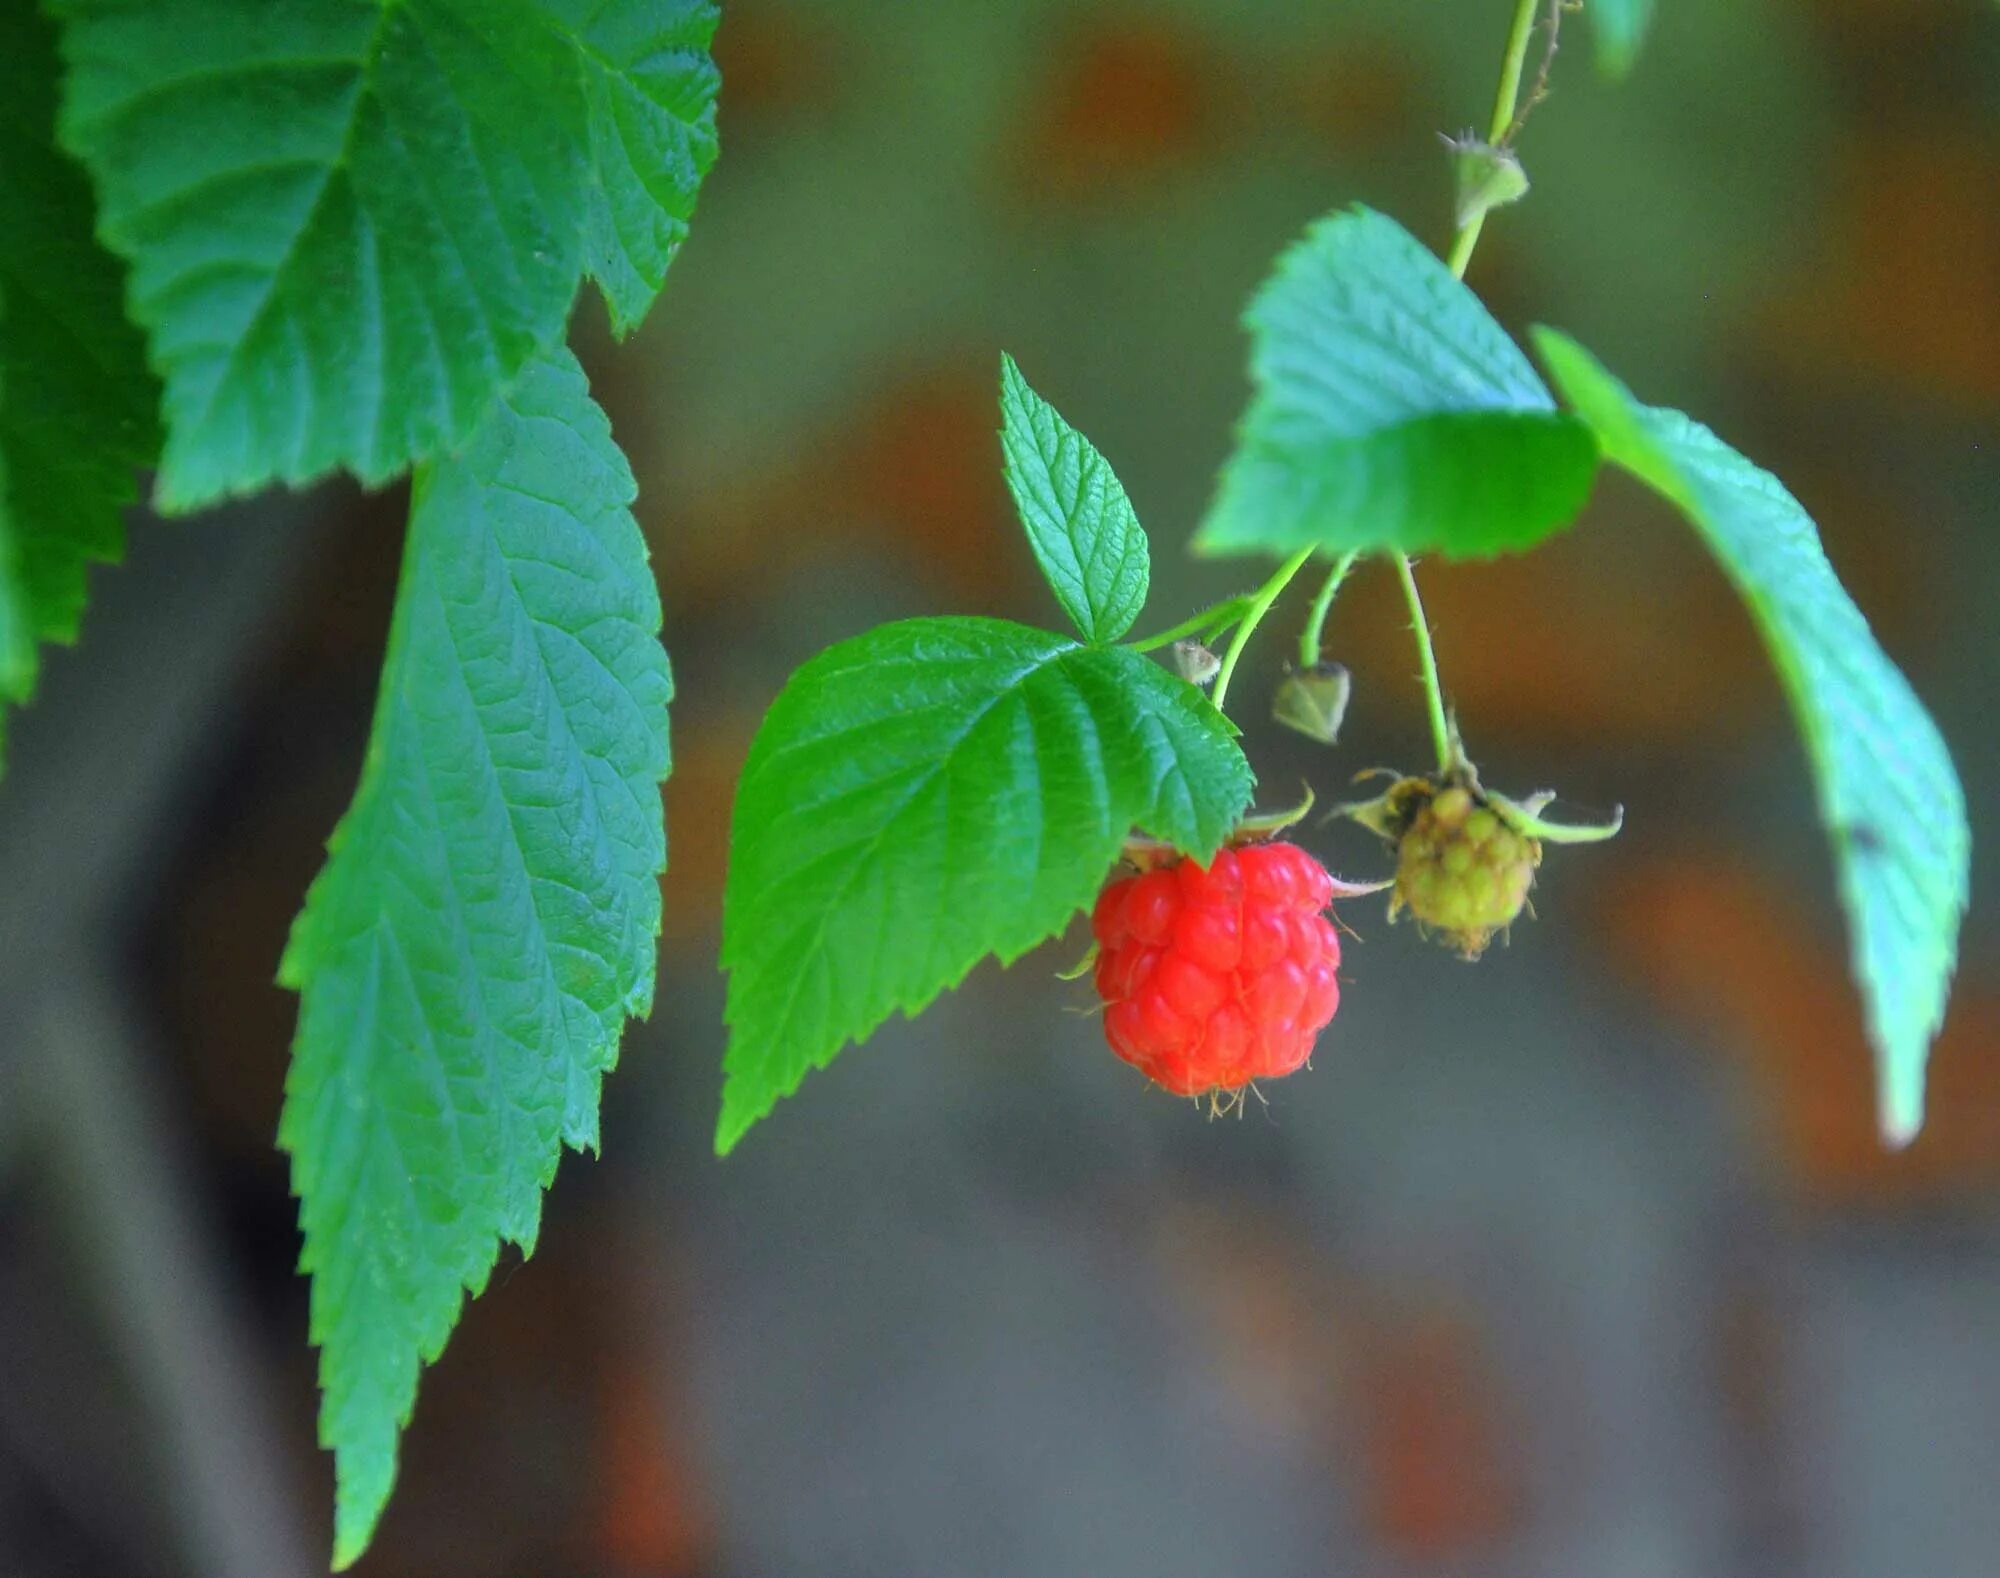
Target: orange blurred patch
(1359,94)
(653,1518)
(1861,29)
(1889,554)
(1574,644)
(1719,944)
(1437,1479)
(911,476)
(921,469)
(1620,631)
(1266,1307)
(1909,290)
(707,762)
(1130,99)
(778,63)
(1319,1361)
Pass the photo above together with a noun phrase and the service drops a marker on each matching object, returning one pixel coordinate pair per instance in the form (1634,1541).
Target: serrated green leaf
(351,222)
(1390,411)
(930,793)
(1887,791)
(1619,28)
(487,917)
(1080,524)
(76,400)
(650,86)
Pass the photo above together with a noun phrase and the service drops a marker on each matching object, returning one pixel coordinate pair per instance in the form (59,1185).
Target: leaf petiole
(1260,604)
(1210,622)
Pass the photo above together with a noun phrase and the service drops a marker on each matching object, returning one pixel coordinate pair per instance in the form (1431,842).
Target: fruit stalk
(1433,690)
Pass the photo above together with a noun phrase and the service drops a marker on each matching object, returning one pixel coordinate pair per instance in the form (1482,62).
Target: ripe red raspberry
(1215,976)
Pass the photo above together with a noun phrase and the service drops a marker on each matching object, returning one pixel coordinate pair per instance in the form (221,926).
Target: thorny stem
(1503,119)
(1433,691)
(1211,620)
(1311,637)
(1505,125)
(1260,604)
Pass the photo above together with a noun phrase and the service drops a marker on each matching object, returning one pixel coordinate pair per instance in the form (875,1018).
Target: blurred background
(1583,1261)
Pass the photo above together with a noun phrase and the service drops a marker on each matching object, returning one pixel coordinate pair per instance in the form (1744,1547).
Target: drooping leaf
(1080,524)
(351,222)
(487,917)
(1887,790)
(1619,28)
(927,794)
(1390,411)
(76,415)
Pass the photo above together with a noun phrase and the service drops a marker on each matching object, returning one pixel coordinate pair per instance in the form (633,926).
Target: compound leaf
(76,400)
(1390,411)
(487,917)
(1887,791)
(929,793)
(1080,524)
(352,222)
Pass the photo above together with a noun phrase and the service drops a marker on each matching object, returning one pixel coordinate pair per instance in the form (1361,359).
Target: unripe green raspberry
(1461,870)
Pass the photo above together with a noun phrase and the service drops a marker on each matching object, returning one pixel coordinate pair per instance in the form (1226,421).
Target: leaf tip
(739,1115)
(1013,382)
(353,1530)
(1902,1113)
(729,1128)
(1207,541)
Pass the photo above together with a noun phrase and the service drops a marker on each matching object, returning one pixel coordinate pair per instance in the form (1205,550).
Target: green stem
(1462,245)
(1505,99)
(1213,619)
(1260,604)
(1433,691)
(1511,66)
(1311,638)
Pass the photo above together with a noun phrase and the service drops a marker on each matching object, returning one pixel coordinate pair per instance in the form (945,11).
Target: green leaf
(352,222)
(1619,27)
(1390,411)
(650,86)
(76,400)
(929,793)
(1082,527)
(487,918)
(1887,791)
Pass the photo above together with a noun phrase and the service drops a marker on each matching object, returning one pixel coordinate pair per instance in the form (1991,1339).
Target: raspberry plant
(940,790)
(250,243)
(253,243)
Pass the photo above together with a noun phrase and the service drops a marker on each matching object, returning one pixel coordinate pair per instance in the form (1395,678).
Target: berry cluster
(1461,870)
(1216,976)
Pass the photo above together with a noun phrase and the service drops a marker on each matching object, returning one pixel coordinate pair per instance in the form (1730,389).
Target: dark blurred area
(1582,1261)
